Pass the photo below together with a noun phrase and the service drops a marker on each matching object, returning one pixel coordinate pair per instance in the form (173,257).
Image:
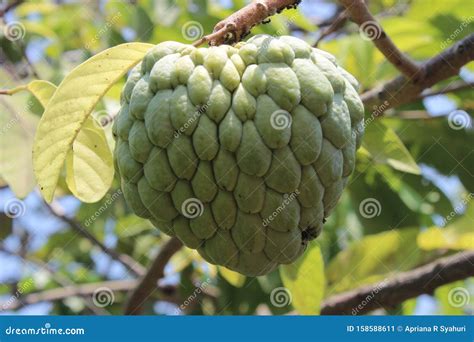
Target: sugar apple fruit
(239,151)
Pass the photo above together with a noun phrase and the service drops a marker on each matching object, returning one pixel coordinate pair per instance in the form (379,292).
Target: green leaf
(305,281)
(234,278)
(458,235)
(294,16)
(6,226)
(89,164)
(373,258)
(130,226)
(385,147)
(71,105)
(450,298)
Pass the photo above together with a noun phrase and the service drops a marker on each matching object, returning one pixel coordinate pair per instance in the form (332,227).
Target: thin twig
(10,7)
(124,259)
(167,293)
(60,293)
(385,294)
(403,286)
(401,90)
(238,25)
(339,22)
(369,26)
(450,88)
(148,283)
(61,280)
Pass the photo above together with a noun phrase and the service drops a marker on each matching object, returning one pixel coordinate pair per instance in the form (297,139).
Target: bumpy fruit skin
(240,152)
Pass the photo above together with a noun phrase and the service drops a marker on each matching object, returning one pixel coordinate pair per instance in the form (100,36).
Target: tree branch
(9,7)
(148,283)
(360,14)
(338,22)
(238,25)
(58,278)
(443,66)
(125,260)
(450,88)
(403,286)
(61,293)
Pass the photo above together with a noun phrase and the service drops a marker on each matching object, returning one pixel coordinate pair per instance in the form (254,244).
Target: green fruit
(240,152)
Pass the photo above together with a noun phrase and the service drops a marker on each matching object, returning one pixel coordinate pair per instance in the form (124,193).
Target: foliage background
(409,201)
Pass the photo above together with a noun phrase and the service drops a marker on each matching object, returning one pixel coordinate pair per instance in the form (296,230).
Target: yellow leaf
(304,283)
(457,235)
(16,141)
(42,90)
(89,167)
(71,105)
(233,278)
(372,258)
(89,164)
